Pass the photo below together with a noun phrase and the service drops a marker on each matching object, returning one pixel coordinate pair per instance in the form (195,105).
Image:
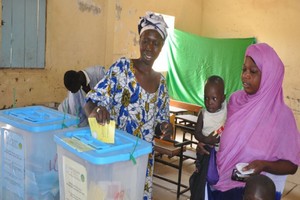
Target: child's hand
(200,149)
(213,138)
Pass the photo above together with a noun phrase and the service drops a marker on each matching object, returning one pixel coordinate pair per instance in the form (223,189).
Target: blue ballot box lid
(37,118)
(81,143)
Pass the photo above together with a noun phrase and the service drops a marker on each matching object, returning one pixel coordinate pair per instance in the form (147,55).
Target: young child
(259,187)
(207,131)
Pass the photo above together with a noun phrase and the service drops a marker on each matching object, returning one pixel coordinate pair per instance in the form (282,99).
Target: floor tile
(295,178)
(288,188)
(293,195)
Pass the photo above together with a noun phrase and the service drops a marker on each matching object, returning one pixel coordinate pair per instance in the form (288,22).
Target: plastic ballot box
(28,157)
(91,169)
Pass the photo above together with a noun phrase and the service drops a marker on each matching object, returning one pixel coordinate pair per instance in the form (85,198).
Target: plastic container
(28,157)
(90,169)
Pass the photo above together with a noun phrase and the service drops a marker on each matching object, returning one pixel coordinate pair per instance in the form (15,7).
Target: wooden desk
(176,110)
(187,119)
(187,124)
(187,106)
(166,147)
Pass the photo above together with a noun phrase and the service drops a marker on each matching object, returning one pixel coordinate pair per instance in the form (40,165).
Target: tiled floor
(163,190)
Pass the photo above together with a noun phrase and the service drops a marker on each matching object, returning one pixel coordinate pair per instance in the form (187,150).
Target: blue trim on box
(37,118)
(104,153)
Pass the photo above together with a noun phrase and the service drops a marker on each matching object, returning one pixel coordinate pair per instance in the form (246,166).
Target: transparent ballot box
(28,156)
(91,169)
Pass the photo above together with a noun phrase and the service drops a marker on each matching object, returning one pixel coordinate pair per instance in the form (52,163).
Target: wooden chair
(169,149)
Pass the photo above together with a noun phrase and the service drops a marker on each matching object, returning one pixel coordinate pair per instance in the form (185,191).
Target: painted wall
(75,39)
(81,33)
(127,12)
(275,22)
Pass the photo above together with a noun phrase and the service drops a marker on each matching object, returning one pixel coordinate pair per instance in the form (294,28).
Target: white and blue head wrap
(153,22)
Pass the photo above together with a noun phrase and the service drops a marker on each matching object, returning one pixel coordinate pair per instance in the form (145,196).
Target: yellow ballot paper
(104,133)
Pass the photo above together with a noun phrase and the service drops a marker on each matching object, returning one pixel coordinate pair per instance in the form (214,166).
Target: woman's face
(151,44)
(251,76)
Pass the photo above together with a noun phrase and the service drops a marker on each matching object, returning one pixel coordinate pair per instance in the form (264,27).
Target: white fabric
(153,22)
(213,121)
(87,78)
(279,181)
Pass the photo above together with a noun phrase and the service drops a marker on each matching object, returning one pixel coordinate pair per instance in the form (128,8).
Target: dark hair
(216,80)
(72,81)
(261,185)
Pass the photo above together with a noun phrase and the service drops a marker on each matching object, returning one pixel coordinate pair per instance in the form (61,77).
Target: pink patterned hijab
(258,126)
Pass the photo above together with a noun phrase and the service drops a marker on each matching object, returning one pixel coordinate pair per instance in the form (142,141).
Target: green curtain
(192,59)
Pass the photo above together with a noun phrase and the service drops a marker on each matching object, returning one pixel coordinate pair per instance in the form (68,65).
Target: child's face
(213,97)
(251,76)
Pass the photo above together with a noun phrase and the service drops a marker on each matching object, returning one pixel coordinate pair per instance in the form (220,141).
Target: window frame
(23,34)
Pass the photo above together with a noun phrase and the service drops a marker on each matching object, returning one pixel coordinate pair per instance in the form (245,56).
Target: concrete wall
(75,39)
(82,33)
(275,22)
(127,12)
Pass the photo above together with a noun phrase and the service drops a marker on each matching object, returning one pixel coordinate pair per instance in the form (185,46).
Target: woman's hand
(278,167)
(166,130)
(101,114)
(256,165)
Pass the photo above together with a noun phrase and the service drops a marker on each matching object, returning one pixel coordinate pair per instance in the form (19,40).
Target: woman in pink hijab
(260,128)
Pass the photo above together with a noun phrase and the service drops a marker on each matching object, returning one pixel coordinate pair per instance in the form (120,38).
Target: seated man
(79,83)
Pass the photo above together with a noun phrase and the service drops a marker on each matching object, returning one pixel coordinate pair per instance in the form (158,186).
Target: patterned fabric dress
(134,110)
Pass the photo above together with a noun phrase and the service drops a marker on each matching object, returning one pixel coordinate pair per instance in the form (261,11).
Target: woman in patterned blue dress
(133,94)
